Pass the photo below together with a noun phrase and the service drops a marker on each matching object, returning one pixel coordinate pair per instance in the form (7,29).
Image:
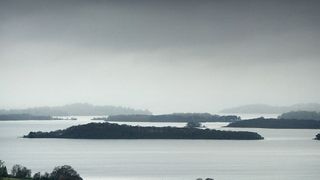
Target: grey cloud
(155,25)
(162,55)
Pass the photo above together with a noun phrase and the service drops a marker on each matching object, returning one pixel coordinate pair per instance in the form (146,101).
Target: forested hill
(175,117)
(77,109)
(310,115)
(267,109)
(116,131)
(277,123)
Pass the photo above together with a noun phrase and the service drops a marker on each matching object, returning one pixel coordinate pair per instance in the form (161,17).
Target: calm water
(283,155)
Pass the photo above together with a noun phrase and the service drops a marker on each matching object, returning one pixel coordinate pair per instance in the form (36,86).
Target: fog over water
(166,56)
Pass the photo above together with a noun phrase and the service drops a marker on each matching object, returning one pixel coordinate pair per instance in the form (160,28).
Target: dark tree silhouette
(20,171)
(3,169)
(39,176)
(65,172)
(45,176)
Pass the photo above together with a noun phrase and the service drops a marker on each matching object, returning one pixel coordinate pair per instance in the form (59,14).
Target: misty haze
(175,90)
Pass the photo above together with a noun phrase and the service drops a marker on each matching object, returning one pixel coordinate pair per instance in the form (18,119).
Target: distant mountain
(77,109)
(305,115)
(267,109)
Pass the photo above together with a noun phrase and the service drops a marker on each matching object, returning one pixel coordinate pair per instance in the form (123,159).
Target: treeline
(304,115)
(276,123)
(175,117)
(115,131)
(65,172)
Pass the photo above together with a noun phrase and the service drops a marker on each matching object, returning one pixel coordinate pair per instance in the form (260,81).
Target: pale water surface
(283,155)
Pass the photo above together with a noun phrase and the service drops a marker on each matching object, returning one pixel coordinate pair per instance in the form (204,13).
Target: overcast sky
(165,56)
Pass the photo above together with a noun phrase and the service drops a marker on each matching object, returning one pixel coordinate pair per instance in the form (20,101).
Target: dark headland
(115,131)
(175,117)
(276,123)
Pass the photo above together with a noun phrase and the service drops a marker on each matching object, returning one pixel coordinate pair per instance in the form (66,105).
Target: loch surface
(285,154)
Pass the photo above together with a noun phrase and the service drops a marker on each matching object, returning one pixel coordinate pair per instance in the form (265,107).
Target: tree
(45,176)
(3,169)
(193,124)
(65,172)
(318,136)
(38,176)
(20,171)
